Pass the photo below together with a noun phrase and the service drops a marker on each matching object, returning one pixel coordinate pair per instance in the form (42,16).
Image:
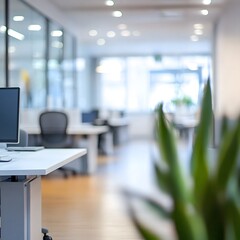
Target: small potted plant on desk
(205,204)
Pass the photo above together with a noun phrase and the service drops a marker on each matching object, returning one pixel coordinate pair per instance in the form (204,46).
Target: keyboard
(27,148)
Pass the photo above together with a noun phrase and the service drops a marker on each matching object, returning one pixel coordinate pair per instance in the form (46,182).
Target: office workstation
(21,172)
(64,60)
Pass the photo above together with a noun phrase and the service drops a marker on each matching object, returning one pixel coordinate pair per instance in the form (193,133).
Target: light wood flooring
(93,207)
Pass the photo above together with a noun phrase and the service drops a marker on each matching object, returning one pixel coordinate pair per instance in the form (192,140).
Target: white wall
(227,48)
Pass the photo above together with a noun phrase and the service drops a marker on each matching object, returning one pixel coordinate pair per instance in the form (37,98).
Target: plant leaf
(162,178)
(169,154)
(145,232)
(227,157)
(157,207)
(188,224)
(234,216)
(199,164)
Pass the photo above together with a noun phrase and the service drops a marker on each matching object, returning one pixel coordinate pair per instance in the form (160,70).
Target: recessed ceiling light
(18,18)
(198,31)
(3,29)
(15,34)
(122,26)
(198,26)
(204,12)
(117,13)
(194,38)
(34,27)
(109,3)
(111,34)
(101,41)
(207,2)
(56,33)
(93,33)
(125,33)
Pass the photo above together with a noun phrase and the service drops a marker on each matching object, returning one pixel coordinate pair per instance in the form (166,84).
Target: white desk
(91,132)
(21,194)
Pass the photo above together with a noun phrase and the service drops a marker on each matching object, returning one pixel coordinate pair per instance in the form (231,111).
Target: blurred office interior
(74,56)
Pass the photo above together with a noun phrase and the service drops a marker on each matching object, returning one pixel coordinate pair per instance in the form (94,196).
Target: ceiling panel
(155,21)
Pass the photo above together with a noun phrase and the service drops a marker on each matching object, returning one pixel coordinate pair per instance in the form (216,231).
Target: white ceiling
(165,26)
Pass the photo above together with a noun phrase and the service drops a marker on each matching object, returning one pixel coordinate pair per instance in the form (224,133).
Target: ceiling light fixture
(34,27)
(93,33)
(204,12)
(3,29)
(18,18)
(198,26)
(12,33)
(109,3)
(111,34)
(117,14)
(125,33)
(194,38)
(101,42)
(15,34)
(198,31)
(207,2)
(56,33)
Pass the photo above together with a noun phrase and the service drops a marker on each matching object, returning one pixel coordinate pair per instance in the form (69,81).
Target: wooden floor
(93,207)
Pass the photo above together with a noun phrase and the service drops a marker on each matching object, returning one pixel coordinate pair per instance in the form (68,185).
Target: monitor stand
(3,146)
(4,156)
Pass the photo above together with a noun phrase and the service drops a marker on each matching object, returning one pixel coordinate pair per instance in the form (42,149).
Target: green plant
(206,203)
(183,101)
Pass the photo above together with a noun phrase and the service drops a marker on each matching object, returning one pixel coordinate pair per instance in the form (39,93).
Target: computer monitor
(9,115)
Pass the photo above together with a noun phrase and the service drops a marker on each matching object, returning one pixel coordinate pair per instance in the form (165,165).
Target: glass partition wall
(27,54)
(37,60)
(2,43)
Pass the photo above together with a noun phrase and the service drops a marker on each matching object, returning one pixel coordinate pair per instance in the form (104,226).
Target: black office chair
(53,126)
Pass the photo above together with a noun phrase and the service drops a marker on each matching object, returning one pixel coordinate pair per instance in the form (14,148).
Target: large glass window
(27,53)
(2,44)
(138,84)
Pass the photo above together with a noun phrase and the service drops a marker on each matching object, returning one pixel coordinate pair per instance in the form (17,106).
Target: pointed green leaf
(189,225)
(234,217)
(162,178)
(227,157)
(144,231)
(224,126)
(199,164)
(168,151)
(154,205)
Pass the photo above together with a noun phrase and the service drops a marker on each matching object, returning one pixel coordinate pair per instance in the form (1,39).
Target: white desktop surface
(38,163)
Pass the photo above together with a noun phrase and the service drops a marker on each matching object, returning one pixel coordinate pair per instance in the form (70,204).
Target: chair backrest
(23,139)
(53,125)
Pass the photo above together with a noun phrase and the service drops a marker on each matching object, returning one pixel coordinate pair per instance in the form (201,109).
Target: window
(27,53)
(138,84)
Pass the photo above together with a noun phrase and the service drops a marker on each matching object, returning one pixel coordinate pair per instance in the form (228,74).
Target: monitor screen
(9,115)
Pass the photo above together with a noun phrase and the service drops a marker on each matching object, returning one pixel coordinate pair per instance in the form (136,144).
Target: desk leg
(21,209)
(92,153)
